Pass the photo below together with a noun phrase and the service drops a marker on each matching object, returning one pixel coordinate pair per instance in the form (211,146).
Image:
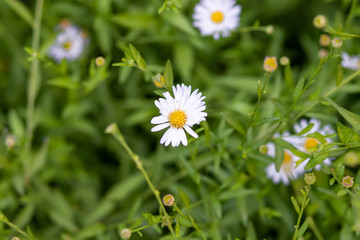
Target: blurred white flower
(216,17)
(287,171)
(69,43)
(350,62)
(179,113)
(309,144)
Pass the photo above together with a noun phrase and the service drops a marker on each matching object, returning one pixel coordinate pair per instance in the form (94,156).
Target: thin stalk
(13,226)
(34,80)
(114,130)
(301,211)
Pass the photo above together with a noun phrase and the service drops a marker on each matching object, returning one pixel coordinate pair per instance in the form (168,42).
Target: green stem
(34,80)
(12,225)
(301,211)
(347,190)
(114,130)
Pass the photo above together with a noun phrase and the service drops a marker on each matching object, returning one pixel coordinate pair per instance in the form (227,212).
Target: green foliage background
(76,182)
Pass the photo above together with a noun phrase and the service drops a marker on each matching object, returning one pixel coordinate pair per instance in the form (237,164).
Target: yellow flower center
(287,165)
(177,119)
(270,64)
(310,143)
(217,17)
(67,45)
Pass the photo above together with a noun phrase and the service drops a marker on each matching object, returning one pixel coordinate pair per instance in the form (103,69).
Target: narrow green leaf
(306,129)
(351,117)
(16,124)
(282,143)
(279,105)
(303,228)
(21,10)
(63,83)
(299,153)
(168,75)
(332,181)
(298,89)
(339,170)
(339,74)
(341,193)
(234,123)
(184,197)
(151,219)
(184,221)
(295,204)
(315,160)
(346,134)
(135,53)
(279,157)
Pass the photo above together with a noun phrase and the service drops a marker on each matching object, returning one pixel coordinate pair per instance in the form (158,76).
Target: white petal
(160,127)
(191,132)
(159,119)
(165,136)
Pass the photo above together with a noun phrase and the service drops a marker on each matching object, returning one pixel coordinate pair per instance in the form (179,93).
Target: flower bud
(323,53)
(310,178)
(15,238)
(269,29)
(270,64)
(320,21)
(351,159)
(99,61)
(347,181)
(336,42)
(284,60)
(159,81)
(324,40)
(168,200)
(263,149)
(10,141)
(125,233)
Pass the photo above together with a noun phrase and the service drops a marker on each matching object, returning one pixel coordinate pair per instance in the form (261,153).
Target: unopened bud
(15,238)
(324,40)
(168,200)
(336,42)
(263,149)
(351,159)
(284,61)
(159,81)
(320,21)
(10,141)
(270,64)
(269,29)
(347,181)
(310,178)
(323,53)
(99,61)
(125,233)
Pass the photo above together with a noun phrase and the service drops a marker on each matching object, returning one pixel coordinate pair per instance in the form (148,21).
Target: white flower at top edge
(216,17)
(69,43)
(287,171)
(350,62)
(307,144)
(179,114)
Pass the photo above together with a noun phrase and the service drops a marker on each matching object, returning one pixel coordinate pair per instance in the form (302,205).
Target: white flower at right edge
(216,17)
(179,114)
(350,62)
(307,144)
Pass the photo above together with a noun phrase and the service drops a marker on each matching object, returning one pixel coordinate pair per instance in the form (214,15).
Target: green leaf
(136,21)
(184,221)
(168,75)
(351,117)
(234,123)
(216,207)
(341,193)
(332,181)
(339,74)
(299,153)
(180,21)
(266,120)
(303,228)
(151,219)
(21,10)
(65,82)
(184,60)
(295,204)
(279,157)
(282,143)
(346,134)
(279,105)
(103,34)
(184,197)
(339,170)
(315,160)
(306,129)
(16,124)
(298,89)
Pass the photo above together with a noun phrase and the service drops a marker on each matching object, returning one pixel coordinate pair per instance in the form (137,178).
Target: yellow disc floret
(217,17)
(67,45)
(287,165)
(177,119)
(310,143)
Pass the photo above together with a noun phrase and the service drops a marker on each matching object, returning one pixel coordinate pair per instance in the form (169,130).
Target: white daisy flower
(350,62)
(179,113)
(216,17)
(287,171)
(69,43)
(307,144)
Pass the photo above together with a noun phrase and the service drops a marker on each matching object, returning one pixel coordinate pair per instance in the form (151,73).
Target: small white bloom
(307,144)
(216,17)
(350,62)
(179,113)
(287,171)
(69,43)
